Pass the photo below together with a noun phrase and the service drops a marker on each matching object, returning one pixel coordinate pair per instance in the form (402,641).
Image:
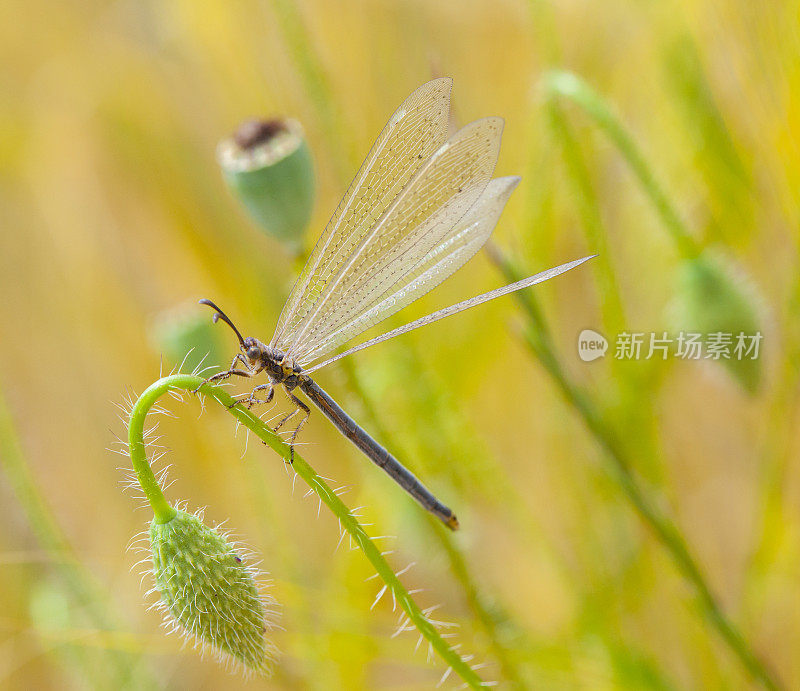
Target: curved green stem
(144,473)
(571,86)
(161,507)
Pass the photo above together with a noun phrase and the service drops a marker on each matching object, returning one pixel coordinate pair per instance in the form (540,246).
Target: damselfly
(420,206)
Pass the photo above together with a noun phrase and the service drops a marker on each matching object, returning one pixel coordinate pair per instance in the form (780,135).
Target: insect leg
(219,376)
(300,406)
(286,417)
(253,400)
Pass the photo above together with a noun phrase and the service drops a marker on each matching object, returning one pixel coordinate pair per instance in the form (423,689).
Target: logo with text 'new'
(591,345)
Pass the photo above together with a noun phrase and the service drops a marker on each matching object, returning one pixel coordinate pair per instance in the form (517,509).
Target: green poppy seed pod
(713,296)
(208,591)
(268,166)
(186,337)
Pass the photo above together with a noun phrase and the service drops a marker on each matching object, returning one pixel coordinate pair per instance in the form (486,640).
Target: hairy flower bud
(209,592)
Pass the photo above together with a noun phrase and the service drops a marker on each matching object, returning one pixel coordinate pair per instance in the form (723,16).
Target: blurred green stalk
(628,381)
(710,297)
(81,585)
(315,80)
(591,221)
(620,468)
(777,534)
(571,86)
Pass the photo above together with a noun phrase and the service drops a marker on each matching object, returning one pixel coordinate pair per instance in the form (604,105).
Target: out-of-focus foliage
(114,211)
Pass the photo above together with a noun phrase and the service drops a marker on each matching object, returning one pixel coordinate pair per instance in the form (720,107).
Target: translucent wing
(441,192)
(458,307)
(416,129)
(458,247)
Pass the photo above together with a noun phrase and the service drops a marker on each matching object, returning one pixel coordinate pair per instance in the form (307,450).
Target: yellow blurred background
(114,212)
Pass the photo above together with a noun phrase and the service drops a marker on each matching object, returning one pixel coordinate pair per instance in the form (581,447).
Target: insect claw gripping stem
(299,405)
(252,399)
(220,376)
(295,433)
(231,371)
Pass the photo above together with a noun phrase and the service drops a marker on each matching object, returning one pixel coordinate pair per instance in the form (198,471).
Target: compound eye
(254,352)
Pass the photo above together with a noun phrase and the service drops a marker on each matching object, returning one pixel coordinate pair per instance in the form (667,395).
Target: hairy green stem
(494,620)
(572,87)
(162,510)
(189,382)
(620,467)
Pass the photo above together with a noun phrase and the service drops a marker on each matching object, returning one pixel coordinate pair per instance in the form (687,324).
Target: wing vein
(413,133)
(438,196)
(455,309)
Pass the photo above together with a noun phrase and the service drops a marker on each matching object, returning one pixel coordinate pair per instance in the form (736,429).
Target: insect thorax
(281,368)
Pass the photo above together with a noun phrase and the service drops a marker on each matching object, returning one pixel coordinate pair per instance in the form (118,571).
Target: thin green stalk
(620,467)
(569,85)
(591,221)
(189,382)
(76,579)
(544,24)
(627,380)
(312,72)
(774,531)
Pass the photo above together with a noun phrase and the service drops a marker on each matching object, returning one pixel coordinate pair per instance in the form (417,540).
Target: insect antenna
(219,314)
